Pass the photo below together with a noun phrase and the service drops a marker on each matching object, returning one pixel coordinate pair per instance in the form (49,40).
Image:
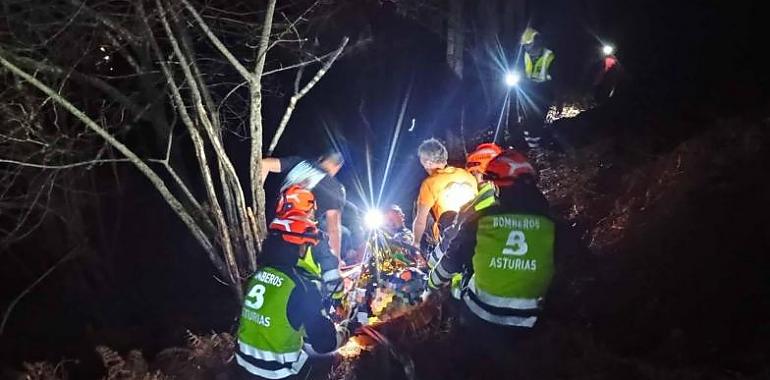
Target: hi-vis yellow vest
(538,71)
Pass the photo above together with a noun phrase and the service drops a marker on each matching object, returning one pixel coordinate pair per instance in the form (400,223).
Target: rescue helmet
(528,36)
(504,169)
(478,160)
(296,227)
(295,198)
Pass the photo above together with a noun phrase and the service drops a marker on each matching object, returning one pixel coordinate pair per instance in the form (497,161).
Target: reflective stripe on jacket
(268,345)
(513,268)
(539,70)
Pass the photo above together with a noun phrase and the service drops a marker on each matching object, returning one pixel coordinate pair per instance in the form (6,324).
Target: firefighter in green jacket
(282,308)
(537,85)
(509,248)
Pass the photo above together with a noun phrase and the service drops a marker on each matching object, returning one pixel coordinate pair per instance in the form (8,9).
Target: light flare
(512,79)
(351,349)
(374,219)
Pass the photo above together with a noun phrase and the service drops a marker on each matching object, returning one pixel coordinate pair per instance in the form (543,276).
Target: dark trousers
(485,350)
(535,101)
(316,368)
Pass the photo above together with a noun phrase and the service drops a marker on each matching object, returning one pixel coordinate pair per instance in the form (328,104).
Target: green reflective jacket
(539,69)
(265,332)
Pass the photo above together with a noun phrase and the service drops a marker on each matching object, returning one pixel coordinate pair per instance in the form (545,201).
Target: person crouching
(282,309)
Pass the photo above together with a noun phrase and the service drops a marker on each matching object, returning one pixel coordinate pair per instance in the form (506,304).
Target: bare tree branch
(31,286)
(300,64)
(123,32)
(217,43)
(156,181)
(298,95)
(216,143)
(63,166)
(255,122)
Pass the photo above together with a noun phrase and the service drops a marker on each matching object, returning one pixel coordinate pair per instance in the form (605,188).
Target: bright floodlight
(512,79)
(374,219)
(608,49)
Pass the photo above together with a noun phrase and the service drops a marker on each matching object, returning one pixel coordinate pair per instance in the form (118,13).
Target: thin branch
(128,57)
(66,25)
(166,162)
(220,153)
(292,26)
(63,166)
(109,90)
(224,99)
(29,288)
(230,182)
(298,95)
(123,149)
(300,64)
(123,32)
(217,43)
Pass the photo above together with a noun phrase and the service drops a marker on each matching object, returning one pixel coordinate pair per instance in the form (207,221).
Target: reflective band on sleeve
(268,356)
(443,273)
(506,320)
(502,302)
(435,281)
(272,374)
(487,202)
(435,256)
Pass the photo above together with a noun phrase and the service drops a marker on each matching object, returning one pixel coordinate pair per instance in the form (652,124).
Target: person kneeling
(282,309)
(510,248)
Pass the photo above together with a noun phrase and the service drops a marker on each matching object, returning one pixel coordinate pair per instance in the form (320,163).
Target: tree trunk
(455,37)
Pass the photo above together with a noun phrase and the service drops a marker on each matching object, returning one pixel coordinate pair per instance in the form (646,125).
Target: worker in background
(537,87)
(282,308)
(510,247)
(445,189)
(475,163)
(318,177)
(607,74)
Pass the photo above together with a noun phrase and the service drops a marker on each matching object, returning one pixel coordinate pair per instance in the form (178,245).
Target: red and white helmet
(504,169)
(296,227)
(477,161)
(295,198)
